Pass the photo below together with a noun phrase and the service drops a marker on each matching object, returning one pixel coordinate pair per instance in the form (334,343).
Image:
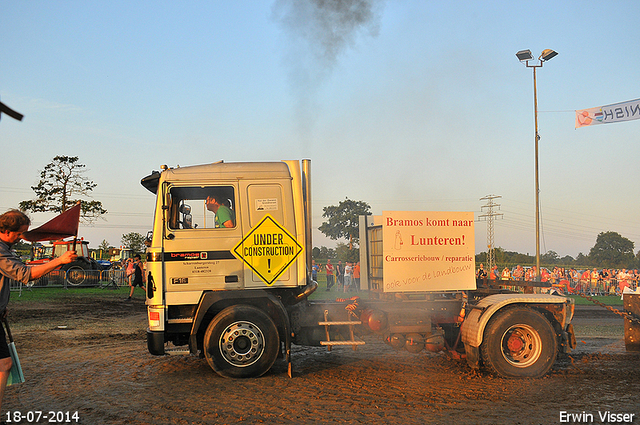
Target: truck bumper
(155,342)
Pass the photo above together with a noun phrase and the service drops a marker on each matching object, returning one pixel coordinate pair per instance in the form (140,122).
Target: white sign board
(269,204)
(428,251)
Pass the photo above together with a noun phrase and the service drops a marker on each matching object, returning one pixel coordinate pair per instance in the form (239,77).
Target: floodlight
(524,55)
(548,54)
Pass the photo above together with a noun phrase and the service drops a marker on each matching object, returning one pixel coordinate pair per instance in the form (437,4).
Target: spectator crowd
(589,282)
(345,277)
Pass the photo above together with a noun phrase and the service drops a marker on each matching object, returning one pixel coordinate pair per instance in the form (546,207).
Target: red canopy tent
(59,227)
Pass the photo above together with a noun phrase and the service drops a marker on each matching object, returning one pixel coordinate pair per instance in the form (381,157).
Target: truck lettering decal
(411,258)
(427,222)
(194,256)
(437,241)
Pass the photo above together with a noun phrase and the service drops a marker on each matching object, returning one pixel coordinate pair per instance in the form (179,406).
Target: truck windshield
(202,207)
(81,248)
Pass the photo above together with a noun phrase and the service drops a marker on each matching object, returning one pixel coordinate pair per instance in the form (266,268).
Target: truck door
(203,226)
(276,199)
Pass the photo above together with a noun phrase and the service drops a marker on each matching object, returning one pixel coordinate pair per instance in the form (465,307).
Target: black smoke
(328,27)
(317,34)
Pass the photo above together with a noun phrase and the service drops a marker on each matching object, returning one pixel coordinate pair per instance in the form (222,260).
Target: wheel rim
(75,275)
(242,343)
(521,345)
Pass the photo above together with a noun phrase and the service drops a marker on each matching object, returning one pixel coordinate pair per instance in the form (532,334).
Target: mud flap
(631,328)
(473,356)
(568,340)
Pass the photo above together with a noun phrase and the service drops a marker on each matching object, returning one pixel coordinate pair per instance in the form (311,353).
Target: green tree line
(611,251)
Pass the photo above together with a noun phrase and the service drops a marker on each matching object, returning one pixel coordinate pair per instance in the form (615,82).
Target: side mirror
(187,222)
(187,219)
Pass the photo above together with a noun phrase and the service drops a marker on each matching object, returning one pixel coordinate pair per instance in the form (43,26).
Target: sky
(406,105)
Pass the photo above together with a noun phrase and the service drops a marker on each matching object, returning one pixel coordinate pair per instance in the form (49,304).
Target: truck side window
(202,207)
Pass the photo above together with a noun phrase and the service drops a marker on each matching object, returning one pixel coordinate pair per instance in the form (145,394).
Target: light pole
(525,56)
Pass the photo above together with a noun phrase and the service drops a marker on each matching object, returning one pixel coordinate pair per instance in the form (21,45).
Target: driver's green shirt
(223,215)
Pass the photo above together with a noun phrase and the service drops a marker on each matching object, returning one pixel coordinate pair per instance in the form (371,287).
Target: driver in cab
(224,216)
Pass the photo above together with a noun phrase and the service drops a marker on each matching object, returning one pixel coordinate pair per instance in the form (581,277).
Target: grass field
(50,294)
(62,294)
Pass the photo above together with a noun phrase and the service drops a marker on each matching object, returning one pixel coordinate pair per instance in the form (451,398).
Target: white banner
(428,251)
(624,111)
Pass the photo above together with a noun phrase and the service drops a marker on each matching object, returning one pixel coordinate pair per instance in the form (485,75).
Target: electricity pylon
(489,216)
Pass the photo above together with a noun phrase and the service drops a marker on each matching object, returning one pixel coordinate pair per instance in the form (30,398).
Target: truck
(238,294)
(120,256)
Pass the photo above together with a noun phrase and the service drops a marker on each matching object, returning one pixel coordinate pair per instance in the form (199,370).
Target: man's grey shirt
(11,267)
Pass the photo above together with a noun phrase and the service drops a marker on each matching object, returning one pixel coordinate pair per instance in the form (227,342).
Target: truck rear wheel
(519,342)
(241,342)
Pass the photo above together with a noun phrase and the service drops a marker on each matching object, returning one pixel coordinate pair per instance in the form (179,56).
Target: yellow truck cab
(196,268)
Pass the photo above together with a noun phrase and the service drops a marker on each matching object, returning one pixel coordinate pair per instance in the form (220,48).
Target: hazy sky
(407,105)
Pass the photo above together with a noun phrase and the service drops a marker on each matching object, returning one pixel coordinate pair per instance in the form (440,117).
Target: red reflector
(154,315)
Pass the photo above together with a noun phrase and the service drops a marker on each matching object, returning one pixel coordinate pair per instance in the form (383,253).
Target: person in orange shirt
(356,276)
(623,280)
(495,274)
(595,277)
(585,279)
(544,274)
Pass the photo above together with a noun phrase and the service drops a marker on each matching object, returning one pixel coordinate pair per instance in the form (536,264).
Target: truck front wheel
(241,342)
(519,342)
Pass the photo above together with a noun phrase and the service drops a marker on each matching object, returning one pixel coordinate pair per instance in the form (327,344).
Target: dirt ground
(89,355)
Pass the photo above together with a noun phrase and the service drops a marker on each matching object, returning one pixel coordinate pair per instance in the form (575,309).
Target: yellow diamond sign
(268,249)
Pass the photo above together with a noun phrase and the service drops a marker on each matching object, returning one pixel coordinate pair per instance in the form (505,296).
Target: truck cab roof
(217,170)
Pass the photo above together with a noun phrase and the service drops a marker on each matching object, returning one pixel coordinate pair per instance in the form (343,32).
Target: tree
(104,245)
(567,260)
(323,253)
(347,254)
(581,259)
(612,251)
(343,220)
(550,257)
(22,248)
(133,241)
(61,181)
(103,248)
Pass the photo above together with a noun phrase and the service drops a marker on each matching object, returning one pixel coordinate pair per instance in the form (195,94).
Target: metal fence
(76,278)
(569,286)
(117,278)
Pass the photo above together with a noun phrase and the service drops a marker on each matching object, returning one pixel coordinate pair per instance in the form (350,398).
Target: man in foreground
(13,224)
